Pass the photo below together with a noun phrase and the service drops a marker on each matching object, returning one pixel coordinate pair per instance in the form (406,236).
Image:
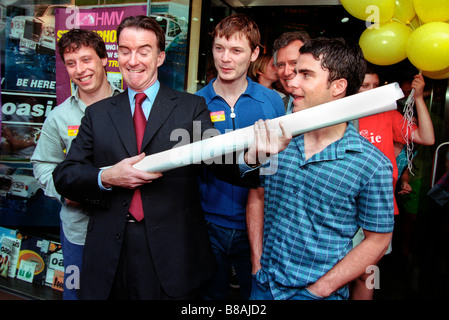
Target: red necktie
(136,208)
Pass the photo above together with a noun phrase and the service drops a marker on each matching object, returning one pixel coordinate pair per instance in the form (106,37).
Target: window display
(34,81)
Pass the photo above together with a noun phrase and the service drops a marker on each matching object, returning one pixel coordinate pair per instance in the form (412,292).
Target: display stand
(28,291)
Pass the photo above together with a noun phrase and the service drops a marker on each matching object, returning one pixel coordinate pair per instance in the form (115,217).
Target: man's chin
(83,87)
(297,108)
(286,88)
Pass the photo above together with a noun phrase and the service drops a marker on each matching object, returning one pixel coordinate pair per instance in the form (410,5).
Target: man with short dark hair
(84,55)
(329,182)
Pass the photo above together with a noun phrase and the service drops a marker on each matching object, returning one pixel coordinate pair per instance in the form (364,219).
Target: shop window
(34,82)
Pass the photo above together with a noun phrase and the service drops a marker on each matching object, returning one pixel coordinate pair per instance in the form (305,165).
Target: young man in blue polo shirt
(234,101)
(329,183)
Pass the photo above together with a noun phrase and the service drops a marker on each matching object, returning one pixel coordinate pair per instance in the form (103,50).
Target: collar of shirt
(251,91)
(75,98)
(350,142)
(151,93)
(290,105)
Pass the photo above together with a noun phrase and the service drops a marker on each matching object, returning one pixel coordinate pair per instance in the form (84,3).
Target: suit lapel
(162,107)
(120,113)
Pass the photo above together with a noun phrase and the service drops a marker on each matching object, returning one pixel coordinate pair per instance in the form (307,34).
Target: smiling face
(310,85)
(85,68)
(139,58)
(286,63)
(233,56)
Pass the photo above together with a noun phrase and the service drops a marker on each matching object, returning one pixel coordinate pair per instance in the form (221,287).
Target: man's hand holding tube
(267,142)
(124,175)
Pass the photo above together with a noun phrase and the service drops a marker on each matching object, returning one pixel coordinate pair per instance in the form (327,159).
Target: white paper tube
(342,110)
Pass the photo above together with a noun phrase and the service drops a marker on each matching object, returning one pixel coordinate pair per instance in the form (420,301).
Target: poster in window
(104,20)
(173,17)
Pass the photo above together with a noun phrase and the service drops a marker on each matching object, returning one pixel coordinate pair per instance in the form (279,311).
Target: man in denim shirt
(329,182)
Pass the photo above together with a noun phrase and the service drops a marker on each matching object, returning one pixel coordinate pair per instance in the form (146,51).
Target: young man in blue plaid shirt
(328,183)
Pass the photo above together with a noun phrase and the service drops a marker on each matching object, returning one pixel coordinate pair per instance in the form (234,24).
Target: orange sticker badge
(217,116)
(72,131)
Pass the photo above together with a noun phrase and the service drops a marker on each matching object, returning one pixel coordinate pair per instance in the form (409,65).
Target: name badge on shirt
(217,116)
(72,131)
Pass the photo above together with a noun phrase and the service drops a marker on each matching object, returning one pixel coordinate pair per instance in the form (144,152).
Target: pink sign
(102,20)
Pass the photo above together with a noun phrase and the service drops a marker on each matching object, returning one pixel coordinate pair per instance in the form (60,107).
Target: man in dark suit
(166,254)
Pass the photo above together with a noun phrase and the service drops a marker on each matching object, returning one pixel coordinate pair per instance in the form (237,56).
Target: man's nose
(80,68)
(289,70)
(133,59)
(292,82)
(225,56)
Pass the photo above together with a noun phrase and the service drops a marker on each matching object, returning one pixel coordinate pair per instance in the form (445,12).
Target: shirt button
(118,236)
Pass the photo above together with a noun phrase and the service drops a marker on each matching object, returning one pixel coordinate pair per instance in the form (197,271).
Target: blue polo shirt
(224,203)
(314,207)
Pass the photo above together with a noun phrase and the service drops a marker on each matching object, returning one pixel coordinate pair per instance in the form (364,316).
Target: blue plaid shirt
(314,207)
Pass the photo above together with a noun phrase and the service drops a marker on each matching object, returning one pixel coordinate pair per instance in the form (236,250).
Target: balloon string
(402,22)
(409,24)
(408,122)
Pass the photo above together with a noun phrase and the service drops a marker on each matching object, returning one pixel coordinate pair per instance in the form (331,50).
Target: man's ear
(160,58)
(255,54)
(339,87)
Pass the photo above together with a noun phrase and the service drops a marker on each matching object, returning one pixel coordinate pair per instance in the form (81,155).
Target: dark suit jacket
(174,218)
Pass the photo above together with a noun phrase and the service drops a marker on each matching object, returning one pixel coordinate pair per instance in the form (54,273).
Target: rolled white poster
(346,109)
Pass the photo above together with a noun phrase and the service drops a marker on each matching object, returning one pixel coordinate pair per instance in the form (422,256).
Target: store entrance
(420,243)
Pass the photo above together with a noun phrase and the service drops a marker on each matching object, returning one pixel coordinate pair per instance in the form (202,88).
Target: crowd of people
(309,230)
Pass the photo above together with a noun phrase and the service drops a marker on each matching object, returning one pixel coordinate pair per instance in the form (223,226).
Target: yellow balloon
(438,75)
(378,11)
(387,44)
(432,10)
(404,10)
(428,46)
